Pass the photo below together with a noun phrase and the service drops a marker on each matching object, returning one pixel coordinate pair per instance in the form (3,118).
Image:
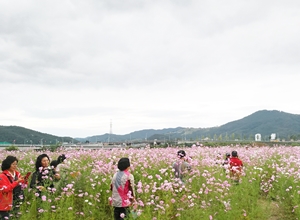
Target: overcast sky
(73,68)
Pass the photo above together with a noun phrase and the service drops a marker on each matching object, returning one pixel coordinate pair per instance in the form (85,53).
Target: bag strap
(8,178)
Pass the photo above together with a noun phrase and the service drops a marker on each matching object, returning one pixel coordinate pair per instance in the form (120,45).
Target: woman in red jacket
(236,166)
(10,178)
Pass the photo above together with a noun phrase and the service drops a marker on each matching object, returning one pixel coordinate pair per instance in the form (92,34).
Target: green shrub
(12,148)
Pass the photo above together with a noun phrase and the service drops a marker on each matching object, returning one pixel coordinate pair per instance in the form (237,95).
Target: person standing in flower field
(226,161)
(235,166)
(44,176)
(11,192)
(181,165)
(58,164)
(122,186)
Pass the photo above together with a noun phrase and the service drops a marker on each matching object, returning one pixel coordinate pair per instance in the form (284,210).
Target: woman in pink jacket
(122,186)
(10,179)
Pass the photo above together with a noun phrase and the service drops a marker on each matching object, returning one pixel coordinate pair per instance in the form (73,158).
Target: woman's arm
(6,185)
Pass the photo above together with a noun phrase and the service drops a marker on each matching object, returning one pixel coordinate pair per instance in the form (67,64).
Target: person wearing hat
(181,165)
(122,186)
(235,167)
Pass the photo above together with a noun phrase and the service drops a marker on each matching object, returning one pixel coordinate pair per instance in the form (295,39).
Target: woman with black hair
(122,187)
(10,187)
(61,158)
(181,166)
(60,163)
(59,171)
(44,175)
(235,167)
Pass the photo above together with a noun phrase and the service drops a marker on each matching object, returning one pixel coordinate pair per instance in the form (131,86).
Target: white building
(273,137)
(258,137)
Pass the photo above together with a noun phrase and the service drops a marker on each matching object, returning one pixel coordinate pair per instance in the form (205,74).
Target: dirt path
(276,212)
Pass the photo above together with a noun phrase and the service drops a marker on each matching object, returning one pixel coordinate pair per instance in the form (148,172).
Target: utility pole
(110,131)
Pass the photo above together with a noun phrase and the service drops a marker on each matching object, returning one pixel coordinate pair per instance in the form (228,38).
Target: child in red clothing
(235,166)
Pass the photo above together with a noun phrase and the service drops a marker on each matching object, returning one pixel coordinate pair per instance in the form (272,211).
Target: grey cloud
(131,55)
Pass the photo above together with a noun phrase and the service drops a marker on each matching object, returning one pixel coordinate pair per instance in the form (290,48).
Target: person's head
(10,163)
(123,163)
(227,155)
(181,154)
(234,153)
(42,161)
(61,158)
(53,164)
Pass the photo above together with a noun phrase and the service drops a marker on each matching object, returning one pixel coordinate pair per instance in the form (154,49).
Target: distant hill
(147,134)
(285,125)
(20,135)
(265,122)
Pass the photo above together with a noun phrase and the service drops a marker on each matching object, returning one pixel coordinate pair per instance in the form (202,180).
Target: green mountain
(284,125)
(20,135)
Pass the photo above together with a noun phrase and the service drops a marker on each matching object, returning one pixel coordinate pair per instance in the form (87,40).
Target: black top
(43,178)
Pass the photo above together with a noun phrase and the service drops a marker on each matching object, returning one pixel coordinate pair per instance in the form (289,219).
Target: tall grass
(268,188)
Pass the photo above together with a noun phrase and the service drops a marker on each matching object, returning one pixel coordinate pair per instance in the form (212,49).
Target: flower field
(269,186)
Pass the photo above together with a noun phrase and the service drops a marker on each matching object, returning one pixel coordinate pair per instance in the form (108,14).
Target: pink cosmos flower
(141,203)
